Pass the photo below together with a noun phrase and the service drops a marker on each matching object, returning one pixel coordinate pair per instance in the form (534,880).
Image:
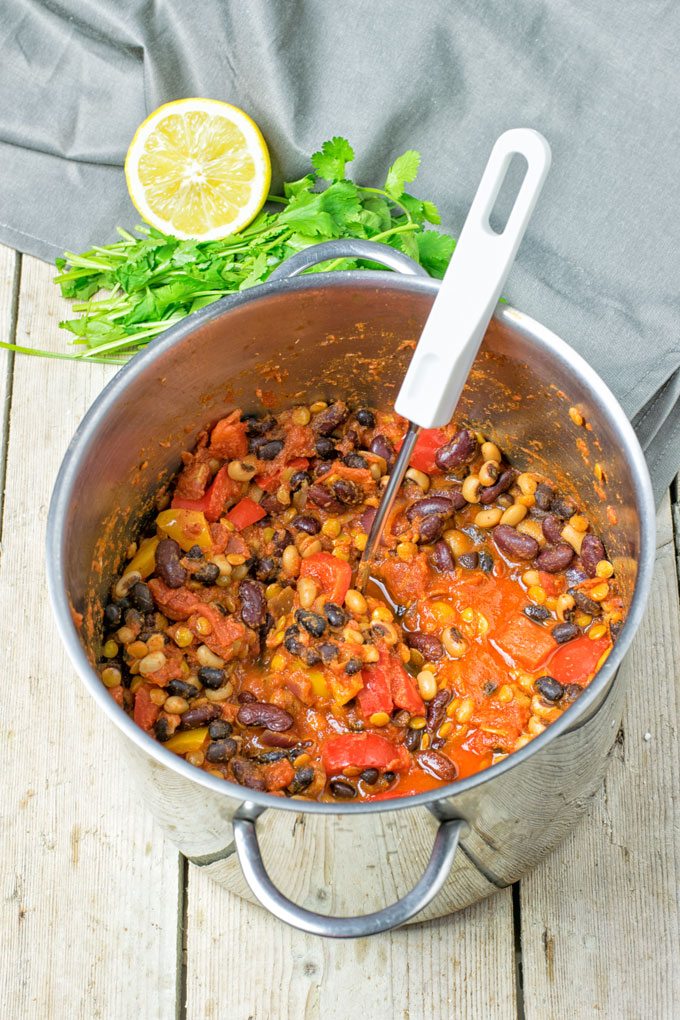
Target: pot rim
(365,279)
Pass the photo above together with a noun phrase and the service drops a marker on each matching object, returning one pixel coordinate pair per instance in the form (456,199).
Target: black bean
(310,656)
(246,698)
(122,604)
(382,447)
(201,715)
(342,789)
(437,765)
(328,420)
(429,646)
(299,479)
(141,597)
(271,756)
(354,460)
(353,666)
(549,688)
(180,689)
(313,623)
(370,776)
(615,629)
(347,492)
(134,619)
(259,426)
(592,551)
(486,562)
(328,651)
(247,773)
(564,508)
(469,560)
(555,558)
(219,729)
(442,558)
(575,575)
(441,504)
(336,616)
(162,729)
(430,528)
(305,522)
(112,616)
(543,496)
(571,693)
(261,713)
(490,687)
(211,677)
(168,566)
(365,418)
(564,632)
(514,543)
(195,553)
(325,448)
(536,613)
(266,569)
(552,528)
(207,574)
(253,603)
(476,534)
(458,451)
(412,740)
(270,450)
(491,493)
(585,604)
(302,779)
(291,640)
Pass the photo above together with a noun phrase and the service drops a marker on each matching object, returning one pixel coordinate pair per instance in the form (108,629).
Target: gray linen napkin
(600,262)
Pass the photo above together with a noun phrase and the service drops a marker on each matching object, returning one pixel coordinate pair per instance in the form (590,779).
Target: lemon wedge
(198,168)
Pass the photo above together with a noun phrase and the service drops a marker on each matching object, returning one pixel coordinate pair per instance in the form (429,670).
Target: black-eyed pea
(470,489)
(491,452)
(514,514)
(290,561)
(489,471)
(533,529)
(457,541)
(535,726)
(573,537)
(489,518)
(527,483)
(419,477)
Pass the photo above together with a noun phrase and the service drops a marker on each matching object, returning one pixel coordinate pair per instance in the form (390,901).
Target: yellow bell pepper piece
(444,614)
(144,559)
(318,681)
(187,527)
(345,688)
(189,740)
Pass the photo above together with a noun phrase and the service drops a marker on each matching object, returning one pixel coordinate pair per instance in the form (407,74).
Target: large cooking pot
(314,336)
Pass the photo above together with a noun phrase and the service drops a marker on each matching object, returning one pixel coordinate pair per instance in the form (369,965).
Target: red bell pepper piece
(576,661)
(145,712)
(527,643)
(271,482)
(245,513)
(221,490)
(363,751)
(404,692)
(427,444)
(386,684)
(332,576)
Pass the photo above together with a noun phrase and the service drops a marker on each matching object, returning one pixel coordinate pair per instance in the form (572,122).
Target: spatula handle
(472,284)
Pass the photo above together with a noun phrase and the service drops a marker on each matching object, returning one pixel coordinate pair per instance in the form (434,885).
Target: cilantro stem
(379,191)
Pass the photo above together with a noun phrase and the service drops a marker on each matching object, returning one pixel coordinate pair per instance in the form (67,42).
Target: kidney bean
(555,558)
(270,449)
(168,566)
(219,729)
(441,504)
(313,623)
(302,779)
(412,740)
(323,498)
(259,426)
(245,697)
(201,715)
(491,493)
(272,739)
(458,451)
(331,418)
(442,558)
(253,603)
(431,528)
(564,508)
(247,773)
(514,543)
(585,604)
(437,764)
(575,575)
(342,789)
(549,688)
(436,709)
(347,492)
(266,569)
(367,517)
(221,750)
(261,713)
(592,551)
(564,632)
(429,646)
(469,560)
(382,447)
(552,529)
(325,448)
(536,613)
(305,522)
(543,496)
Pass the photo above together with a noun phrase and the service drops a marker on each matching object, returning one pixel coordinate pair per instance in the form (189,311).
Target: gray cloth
(600,80)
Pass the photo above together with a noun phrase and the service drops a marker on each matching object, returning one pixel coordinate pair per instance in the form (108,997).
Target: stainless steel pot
(300,339)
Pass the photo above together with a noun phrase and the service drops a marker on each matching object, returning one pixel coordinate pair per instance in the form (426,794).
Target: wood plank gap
(519,962)
(182,913)
(9,388)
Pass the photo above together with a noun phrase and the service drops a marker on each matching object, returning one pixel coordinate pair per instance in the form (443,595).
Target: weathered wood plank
(600,918)
(10,264)
(89,898)
(245,965)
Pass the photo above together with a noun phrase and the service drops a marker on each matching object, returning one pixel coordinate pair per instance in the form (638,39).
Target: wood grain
(600,918)
(88,910)
(10,263)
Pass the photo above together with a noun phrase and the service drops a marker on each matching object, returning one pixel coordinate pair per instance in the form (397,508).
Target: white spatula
(462,309)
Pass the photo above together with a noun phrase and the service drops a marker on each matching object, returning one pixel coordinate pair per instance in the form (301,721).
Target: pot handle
(347,248)
(433,878)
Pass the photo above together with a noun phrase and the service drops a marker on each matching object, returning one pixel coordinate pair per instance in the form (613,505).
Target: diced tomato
(576,661)
(552,584)
(376,694)
(427,444)
(526,642)
(279,774)
(404,692)
(145,712)
(221,490)
(245,513)
(228,438)
(363,751)
(332,576)
(271,482)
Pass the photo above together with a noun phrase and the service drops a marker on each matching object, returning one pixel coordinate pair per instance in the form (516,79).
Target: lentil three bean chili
(235,637)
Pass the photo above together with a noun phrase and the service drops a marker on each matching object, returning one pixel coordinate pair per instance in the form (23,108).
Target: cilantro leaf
(330,161)
(403,170)
(435,251)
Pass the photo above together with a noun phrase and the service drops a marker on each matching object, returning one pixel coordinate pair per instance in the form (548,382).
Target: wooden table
(102,918)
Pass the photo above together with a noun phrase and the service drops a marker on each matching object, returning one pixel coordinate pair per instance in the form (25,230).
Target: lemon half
(198,168)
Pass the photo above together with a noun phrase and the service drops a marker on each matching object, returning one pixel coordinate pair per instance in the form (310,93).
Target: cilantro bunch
(155,280)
